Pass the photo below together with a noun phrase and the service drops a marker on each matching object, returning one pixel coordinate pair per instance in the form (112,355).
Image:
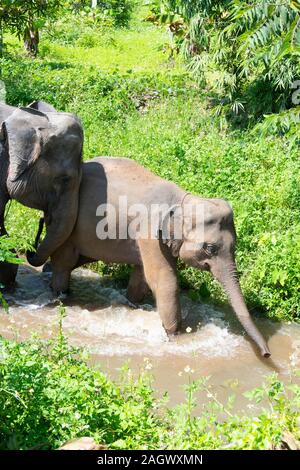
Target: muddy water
(100,318)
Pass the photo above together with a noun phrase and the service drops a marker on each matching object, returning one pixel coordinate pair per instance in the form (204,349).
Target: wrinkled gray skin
(40,166)
(208,245)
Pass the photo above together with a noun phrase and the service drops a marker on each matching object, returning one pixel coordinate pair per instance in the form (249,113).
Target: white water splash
(101,318)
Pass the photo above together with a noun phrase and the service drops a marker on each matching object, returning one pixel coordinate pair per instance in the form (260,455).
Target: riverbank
(50,395)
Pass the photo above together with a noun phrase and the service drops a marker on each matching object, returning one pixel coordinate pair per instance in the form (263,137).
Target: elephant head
(208,243)
(41,156)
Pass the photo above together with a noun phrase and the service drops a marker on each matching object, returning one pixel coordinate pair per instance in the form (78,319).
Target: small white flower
(187,369)
(146,359)
(31,390)
(148,366)
(180,373)
(189,329)
(77,415)
(209,395)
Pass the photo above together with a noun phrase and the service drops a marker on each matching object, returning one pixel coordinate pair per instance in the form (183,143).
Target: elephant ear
(170,228)
(23,131)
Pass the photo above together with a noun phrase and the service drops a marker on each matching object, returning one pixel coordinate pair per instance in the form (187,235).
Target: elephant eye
(210,249)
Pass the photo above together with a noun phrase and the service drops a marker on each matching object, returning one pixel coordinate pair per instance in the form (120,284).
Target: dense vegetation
(246,52)
(49,394)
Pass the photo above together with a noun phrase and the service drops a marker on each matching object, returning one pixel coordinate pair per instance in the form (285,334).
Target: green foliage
(119,11)
(217,427)
(6,247)
(248,55)
(49,394)
(26,19)
(16,14)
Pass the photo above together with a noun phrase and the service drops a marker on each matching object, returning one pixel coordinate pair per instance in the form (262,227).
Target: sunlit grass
(114,50)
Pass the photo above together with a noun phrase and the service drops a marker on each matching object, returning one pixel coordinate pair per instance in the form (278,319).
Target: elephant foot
(47,268)
(60,282)
(134,300)
(174,330)
(62,294)
(132,304)
(8,274)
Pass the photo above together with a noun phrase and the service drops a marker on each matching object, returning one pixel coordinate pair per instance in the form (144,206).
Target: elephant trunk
(59,227)
(227,276)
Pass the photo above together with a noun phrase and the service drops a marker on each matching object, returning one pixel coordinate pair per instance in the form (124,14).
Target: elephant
(206,242)
(40,167)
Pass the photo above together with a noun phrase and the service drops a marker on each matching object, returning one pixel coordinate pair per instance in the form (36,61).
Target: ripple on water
(102,318)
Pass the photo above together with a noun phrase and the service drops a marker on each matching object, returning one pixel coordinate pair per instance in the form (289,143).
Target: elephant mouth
(203,266)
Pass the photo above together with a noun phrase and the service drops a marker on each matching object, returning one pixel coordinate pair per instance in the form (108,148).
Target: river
(100,318)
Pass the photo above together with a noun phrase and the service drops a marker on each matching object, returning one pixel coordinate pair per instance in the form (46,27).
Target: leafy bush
(49,394)
(119,11)
(246,52)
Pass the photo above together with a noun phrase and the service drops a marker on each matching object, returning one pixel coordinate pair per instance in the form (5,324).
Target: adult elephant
(40,167)
(129,215)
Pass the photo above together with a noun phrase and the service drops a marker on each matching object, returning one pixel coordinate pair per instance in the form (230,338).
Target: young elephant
(206,241)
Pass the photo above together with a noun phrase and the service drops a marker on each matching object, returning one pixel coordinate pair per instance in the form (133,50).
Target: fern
(251,48)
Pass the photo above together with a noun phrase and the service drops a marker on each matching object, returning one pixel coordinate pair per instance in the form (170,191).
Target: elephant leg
(8,271)
(63,261)
(3,202)
(60,282)
(160,274)
(137,287)
(47,268)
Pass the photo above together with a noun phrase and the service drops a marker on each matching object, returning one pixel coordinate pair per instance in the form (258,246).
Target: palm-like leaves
(253,48)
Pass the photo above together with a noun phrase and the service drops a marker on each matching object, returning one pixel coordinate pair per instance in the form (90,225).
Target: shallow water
(100,318)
